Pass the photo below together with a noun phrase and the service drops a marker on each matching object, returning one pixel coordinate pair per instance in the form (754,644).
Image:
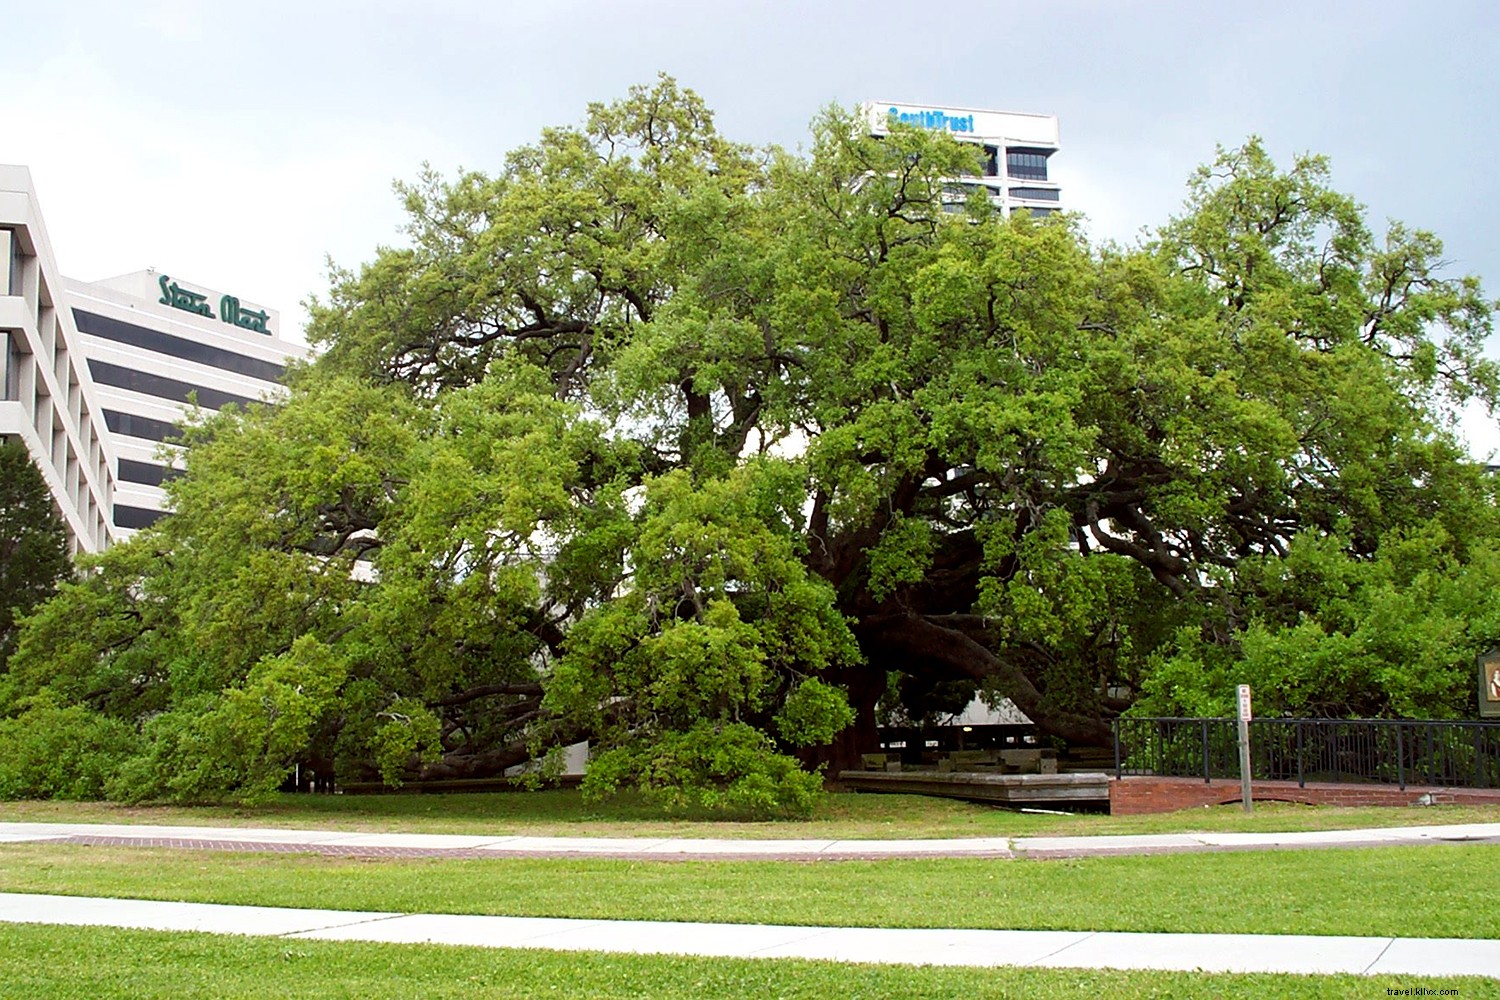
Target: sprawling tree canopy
(701,452)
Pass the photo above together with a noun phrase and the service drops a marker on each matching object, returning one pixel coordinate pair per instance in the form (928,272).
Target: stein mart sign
(230,311)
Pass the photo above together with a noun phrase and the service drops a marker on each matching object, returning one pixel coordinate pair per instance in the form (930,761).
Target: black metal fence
(1385,751)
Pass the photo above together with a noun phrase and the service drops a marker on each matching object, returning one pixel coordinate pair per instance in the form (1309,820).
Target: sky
(243,146)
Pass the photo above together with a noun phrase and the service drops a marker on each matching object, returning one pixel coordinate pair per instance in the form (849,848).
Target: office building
(47,399)
(157,344)
(99,375)
(1014,151)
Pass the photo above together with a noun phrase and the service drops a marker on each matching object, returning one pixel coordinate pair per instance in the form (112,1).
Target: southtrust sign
(1009,128)
(933,119)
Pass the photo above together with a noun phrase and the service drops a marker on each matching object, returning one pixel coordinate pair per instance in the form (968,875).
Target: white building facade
(1014,150)
(47,399)
(157,345)
(99,376)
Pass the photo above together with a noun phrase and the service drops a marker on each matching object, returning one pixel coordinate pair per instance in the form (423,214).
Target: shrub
(725,767)
(48,752)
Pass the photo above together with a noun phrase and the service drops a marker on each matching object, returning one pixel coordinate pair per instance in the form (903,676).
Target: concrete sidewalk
(1438,957)
(471,846)
(1168,843)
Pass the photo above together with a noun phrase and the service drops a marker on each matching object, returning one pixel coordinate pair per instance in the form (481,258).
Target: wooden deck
(1039,790)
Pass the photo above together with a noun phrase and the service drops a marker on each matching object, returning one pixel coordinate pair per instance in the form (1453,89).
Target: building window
(161,387)
(133,425)
(12,262)
(991,161)
(1027,164)
(1035,194)
(135,517)
(10,368)
(146,473)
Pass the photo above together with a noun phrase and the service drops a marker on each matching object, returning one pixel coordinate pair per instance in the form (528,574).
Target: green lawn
(1425,891)
(43,963)
(851,816)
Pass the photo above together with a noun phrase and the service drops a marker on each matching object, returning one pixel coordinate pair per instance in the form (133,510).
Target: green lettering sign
(180,298)
(249,319)
(230,310)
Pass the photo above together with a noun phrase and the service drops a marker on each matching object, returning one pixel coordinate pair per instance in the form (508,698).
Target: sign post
(1244,692)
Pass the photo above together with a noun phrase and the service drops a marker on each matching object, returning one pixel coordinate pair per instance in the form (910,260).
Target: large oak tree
(703,452)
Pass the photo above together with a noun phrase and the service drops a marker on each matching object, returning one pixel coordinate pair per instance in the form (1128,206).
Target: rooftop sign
(1008,127)
(934,119)
(230,311)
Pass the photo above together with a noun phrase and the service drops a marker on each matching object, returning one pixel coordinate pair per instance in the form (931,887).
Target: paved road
(457,845)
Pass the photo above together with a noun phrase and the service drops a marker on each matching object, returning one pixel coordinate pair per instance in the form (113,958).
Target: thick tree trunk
(921,640)
(487,764)
(865,686)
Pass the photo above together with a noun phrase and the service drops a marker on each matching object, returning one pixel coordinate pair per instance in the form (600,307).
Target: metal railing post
(1301,780)
(1118,723)
(1400,760)
(1334,732)
(1206,779)
(1480,771)
(1430,755)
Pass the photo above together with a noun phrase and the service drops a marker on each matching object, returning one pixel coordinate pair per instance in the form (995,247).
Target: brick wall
(1140,794)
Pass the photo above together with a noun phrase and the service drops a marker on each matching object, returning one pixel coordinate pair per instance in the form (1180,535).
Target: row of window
(1036,212)
(1028,164)
(1036,194)
(1024,164)
(178,347)
(161,387)
(146,473)
(135,517)
(134,425)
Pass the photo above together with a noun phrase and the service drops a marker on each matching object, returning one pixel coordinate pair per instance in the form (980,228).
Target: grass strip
(1419,891)
(44,962)
(555,812)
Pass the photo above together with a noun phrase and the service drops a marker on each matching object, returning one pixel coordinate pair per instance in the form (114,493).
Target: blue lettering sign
(933,119)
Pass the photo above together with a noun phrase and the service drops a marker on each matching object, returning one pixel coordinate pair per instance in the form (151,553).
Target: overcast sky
(240,145)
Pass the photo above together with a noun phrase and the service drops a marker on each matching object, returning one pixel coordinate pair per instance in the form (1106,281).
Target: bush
(725,767)
(61,753)
(240,744)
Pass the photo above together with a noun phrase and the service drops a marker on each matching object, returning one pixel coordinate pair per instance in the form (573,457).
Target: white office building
(1014,149)
(47,399)
(156,344)
(98,376)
